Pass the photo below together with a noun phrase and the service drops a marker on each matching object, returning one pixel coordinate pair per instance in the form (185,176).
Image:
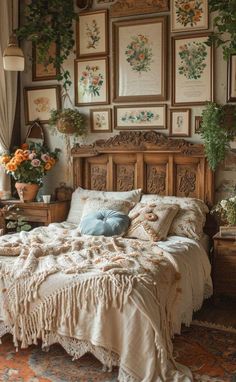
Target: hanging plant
(224,24)
(68,121)
(218,128)
(47,22)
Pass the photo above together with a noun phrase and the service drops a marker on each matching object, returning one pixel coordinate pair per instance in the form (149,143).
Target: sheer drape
(8,88)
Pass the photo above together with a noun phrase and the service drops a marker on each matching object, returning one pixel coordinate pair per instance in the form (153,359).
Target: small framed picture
(189,15)
(40,72)
(198,121)
(100,120)
(39,101)
(92,34)
(231,88)
(140,117)
(91,81)
(180,122)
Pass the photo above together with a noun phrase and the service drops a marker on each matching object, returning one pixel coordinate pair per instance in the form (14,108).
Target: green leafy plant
(218,128)
(68,121)
(226,210)
(15,220)
(224,24)
(47,22)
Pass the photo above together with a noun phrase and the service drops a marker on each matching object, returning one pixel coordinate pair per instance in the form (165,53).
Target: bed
(120,298)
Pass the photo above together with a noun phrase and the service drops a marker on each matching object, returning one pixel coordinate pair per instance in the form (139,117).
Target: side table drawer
(33,215)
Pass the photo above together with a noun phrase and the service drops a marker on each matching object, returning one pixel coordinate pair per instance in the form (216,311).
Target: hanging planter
(68,121)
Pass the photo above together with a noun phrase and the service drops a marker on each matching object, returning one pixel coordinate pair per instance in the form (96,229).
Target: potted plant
(68,121)
(218,128)
(28,165)
(48,22)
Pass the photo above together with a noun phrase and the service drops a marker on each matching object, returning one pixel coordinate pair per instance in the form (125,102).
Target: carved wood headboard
(147,160)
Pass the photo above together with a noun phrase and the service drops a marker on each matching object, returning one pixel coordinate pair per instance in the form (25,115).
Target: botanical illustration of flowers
(139,53)
(193,60)
(139,117)
(93,34)
(100,121)
(91,80)
(42,104)
(189,12)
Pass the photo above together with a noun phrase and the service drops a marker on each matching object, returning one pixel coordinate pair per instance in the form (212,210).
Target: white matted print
(39,101)
(100,120)
(140,117)
(91,81)
(92,33)
(189,15)
(140,60)
(180,122)
(192,70)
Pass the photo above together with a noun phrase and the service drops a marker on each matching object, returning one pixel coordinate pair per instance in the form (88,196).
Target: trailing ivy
(218,128)
(224,21)
(48,21)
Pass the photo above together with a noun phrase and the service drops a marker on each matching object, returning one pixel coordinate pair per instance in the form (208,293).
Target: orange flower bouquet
(30,163)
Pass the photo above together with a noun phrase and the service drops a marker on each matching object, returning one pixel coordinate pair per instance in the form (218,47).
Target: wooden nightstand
(224,266)
(41,213)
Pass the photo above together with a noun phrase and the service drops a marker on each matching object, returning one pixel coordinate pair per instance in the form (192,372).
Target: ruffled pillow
(151,221)
(97,204)
(105,222)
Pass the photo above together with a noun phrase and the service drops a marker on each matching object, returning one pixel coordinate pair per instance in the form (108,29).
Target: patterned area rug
(210,353)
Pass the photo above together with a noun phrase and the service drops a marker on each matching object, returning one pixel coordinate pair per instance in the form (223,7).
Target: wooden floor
(222,313)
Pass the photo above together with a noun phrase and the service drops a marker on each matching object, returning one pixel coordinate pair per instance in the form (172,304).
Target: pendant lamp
(13,57)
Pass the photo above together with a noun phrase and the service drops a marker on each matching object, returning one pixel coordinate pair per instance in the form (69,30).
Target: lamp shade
(13,57)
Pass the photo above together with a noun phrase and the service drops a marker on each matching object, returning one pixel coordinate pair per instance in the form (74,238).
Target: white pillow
(80,196)
(190,219)
(100,204)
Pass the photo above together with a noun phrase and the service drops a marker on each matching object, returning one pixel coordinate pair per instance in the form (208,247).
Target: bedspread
(89,289)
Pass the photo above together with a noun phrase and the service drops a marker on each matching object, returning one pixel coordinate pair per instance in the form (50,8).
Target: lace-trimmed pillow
(151,221)
(97,204)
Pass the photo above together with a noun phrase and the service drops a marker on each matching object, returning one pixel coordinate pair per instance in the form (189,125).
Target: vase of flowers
(28,165)
(226,212)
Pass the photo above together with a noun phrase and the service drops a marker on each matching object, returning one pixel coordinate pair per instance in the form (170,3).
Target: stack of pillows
(133,215)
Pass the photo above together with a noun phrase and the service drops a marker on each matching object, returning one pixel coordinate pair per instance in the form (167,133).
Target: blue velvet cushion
(104,222)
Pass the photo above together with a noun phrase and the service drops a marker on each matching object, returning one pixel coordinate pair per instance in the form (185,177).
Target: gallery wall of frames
(137,65)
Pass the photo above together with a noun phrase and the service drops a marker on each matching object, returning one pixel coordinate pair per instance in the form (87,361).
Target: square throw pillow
(99,204)
(191,218)
(80,195)
(151,221)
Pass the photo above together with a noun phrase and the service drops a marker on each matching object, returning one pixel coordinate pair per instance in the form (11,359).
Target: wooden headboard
(147,160)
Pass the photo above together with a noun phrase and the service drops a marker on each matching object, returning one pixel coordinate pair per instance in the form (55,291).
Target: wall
(225,175)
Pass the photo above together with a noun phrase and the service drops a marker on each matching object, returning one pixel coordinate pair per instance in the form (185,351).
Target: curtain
(8,87)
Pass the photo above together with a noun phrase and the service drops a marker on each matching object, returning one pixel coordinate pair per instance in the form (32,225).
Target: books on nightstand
(228,231)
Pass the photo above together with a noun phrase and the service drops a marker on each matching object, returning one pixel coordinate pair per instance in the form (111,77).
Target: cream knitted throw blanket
(58,273)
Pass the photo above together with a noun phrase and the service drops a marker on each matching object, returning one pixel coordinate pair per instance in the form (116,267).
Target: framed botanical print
(180,122)
(140,117)
(198,122)
(189,15)
(100,120)
(92,34)
(91,81)
(140,49)
(192,70)
(39,101)
(231,88)
(122,8)
(41,72)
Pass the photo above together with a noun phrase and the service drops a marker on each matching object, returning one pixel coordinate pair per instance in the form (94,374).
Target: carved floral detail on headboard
(141,141)
(125,177)
(156,180)
(98,178)
(187,181)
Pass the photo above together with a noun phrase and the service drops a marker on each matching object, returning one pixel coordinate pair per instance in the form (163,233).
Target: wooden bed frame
(144,159)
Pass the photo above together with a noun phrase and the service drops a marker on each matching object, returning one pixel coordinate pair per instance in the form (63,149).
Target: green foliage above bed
(218,128)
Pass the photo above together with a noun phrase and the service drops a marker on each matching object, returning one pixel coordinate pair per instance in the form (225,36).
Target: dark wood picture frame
(138,7)
(157,29)
(82,82)
(41,73)
(187,121)
(93,34)
(191,16)
(205,85)
(135,113)
(231,83)
(108,111)
(38,103)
